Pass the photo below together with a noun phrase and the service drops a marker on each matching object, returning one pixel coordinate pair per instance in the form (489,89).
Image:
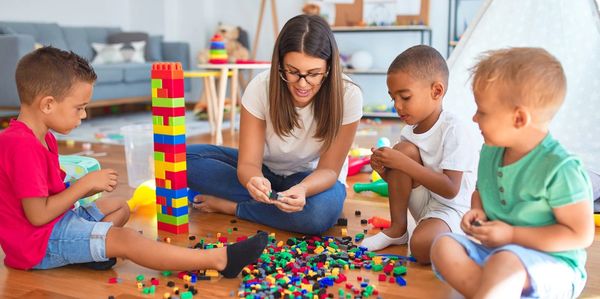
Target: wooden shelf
(380,114)
(380,28)
(365,72)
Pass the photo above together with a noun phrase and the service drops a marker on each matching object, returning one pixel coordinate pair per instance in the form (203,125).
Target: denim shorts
(79,237)
(549,276)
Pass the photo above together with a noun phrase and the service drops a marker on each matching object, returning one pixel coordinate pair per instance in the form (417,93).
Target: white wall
(194,21)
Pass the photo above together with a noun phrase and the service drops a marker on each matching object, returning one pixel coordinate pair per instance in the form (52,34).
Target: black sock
(243,253)
(100,265)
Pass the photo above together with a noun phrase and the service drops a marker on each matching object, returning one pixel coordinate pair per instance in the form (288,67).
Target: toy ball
(144,194)
(384,142)
(361,60)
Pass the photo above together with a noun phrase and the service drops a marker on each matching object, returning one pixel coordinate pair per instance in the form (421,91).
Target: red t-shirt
(27,169)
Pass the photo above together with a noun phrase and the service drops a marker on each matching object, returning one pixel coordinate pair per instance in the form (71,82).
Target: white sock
(381,241)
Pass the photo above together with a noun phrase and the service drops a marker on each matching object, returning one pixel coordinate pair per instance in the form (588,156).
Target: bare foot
(212,204)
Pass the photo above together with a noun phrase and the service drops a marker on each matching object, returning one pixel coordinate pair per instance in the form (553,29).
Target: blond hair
(529,77)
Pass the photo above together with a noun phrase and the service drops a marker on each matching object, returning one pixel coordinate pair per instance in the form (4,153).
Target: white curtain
(570,30)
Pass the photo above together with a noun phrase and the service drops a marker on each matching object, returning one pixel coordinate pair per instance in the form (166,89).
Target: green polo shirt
(524,193)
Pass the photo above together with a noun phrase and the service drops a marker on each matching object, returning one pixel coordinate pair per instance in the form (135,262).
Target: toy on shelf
(380,187)
(378,222)
(356,164)
(170,169)
(75,168)
(217,53)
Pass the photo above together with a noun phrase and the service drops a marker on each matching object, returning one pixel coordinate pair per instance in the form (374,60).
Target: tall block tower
(168,119)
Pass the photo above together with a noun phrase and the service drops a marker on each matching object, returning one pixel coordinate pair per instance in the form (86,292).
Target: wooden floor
(76,282)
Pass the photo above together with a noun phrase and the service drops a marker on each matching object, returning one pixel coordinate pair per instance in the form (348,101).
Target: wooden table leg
(207,94)
(234,97)
(221,105)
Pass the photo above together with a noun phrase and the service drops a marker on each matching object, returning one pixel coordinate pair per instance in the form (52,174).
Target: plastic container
(139,153)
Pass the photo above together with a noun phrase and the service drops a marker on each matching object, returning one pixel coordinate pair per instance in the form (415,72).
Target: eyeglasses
(312,79)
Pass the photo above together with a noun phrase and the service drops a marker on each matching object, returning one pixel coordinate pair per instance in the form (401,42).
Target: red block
(166,112)
(180,157)
(169,148)
(175,229)
(242,238)
(167,70)
(178,179)
(160,183)
(174,88)
(382,277)
(223,239)
(162,93)
(161,200)
(170,211)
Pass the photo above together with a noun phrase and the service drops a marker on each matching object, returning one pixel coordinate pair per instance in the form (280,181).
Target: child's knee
(408,149)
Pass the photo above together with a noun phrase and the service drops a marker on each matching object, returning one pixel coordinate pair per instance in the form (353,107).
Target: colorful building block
(168,119)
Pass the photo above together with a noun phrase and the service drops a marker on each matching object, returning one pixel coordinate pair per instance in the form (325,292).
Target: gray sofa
(117,83)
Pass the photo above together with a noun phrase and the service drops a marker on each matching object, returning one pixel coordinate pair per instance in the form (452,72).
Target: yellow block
(179,202)
(159,170)
(168,184)
(154,92)
(158,209)
(169,130)
(169,166)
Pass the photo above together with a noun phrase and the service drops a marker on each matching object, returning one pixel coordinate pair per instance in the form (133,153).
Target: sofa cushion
(154,48)
(77,41)
(100,34)
(112,73)
(128,38)
(136,72)
(43,33)
(50,35)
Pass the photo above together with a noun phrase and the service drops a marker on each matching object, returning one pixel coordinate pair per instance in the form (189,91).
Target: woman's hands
(292,200)
(289,201)
(259,188)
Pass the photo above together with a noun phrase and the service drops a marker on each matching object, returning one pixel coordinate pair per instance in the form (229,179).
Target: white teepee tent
(570,30)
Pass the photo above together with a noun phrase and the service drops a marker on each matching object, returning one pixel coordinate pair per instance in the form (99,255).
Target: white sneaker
(381,241)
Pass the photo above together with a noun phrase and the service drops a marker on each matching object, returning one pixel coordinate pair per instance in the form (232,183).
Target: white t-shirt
(451,144)
(300,151)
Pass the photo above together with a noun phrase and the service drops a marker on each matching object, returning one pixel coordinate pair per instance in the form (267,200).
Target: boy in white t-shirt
(432,170)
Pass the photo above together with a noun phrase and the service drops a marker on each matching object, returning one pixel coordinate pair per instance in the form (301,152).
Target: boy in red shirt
(39,229)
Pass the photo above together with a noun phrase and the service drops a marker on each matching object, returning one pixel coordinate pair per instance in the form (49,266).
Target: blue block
(192,194)
(400,281)
(164,210)
(179,193)
(168,139)
(180,211)
(158,138)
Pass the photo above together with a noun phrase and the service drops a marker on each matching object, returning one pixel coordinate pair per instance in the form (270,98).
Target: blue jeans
(212,170)
(79,237)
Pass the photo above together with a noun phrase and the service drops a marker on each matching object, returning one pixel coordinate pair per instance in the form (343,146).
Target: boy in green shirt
(531,215)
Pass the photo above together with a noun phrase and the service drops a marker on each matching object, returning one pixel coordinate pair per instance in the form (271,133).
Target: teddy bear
(236,44)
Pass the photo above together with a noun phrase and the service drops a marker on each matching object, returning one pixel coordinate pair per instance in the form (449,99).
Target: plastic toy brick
(175,229)
(168,102)
(169,130)
(175,121)
(178,193)
(379,222)
(162,111)
(169,148)
(169,139)
(176,212)
(174,88)
(170,157)
(167,70)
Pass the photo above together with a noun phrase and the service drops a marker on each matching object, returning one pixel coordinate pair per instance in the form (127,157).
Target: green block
(168,102)
(139,277)
(156,83)
(187,295)
(172,219)
(177,121)
(157,120)
(158,156)
(166,273)
(401,270)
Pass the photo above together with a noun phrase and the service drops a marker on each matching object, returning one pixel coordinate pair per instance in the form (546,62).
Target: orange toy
(379,222)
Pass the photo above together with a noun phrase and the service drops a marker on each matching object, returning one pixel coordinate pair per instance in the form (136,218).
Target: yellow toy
(597,219)
(144,194)
(375,176)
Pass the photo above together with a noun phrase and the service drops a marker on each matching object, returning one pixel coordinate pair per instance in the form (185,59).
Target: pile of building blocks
(168,119)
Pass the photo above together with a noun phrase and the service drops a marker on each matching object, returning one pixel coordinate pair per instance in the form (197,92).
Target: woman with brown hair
(298,122)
